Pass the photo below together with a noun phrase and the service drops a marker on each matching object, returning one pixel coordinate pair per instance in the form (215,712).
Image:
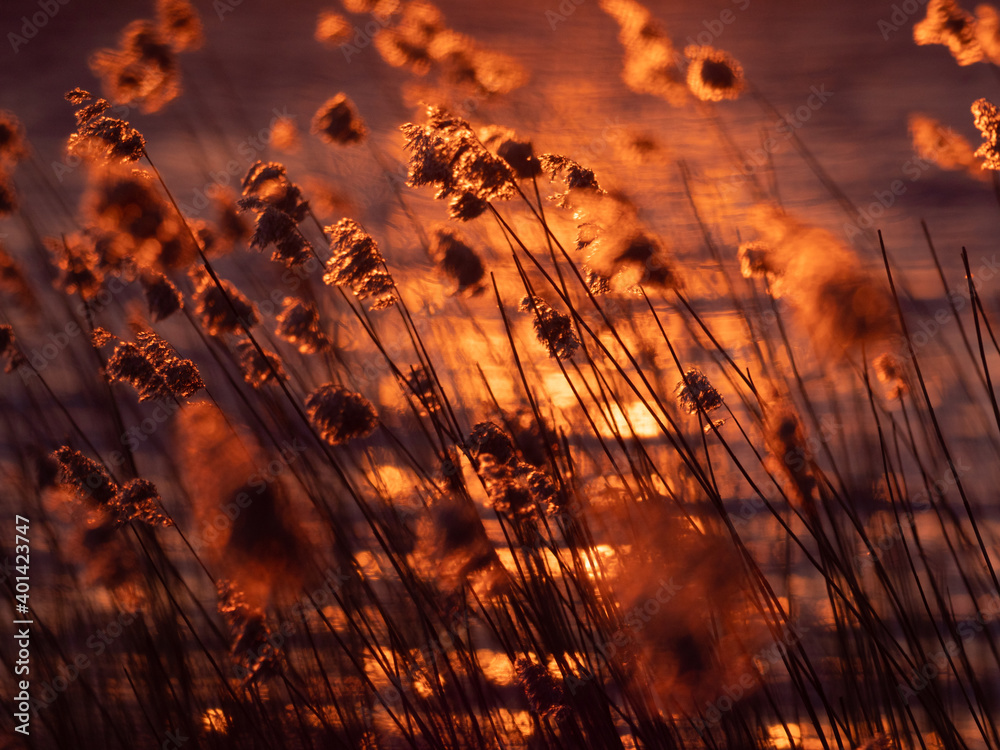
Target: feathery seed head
(695,393)
(789,451)
(357,263)
(268,182)
(252,643)
(466,207)
(755,261)
(890,372)
(161,296)
(77,96)
(217,315)
(487,439)
(338,121)
(88,478)
(519,154)
(332,29)
(139,500)
(445,152)
(101,137)
(946,23)
(577,178)
(456,259)
(943,146)
(553,329)
(179,24)
(713,75)
(13,143)
(340,415)
(275,227)
(298,323)
(987,119)
(256,370)
(8,198)
(650,65)
(419,382)
(153,368)
(142,70)
(10,349)
(79,272)
(545,695)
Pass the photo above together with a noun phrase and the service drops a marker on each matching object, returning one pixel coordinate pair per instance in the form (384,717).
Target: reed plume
(217,314)
(332,29)
(545,695)
(179,24)
(789,454)
(142,70)
(101,137)
(890,372)
(553,329)
(357,263)
(516,151)
(837,301)
(162,296)
(713,75)
(13,142)
(77,260)
(337,121)
(696,394)
(244,522)
(139,500)
(135,223)
(947,24)
(268,182)
(151,366)
(987,119)
(340,415)
(446,153)
(252,647)
(943,146)
(405,43)
(756,261)
(258,370)
(298,323)
(457,260)
(275,227)
(86,477)
(9,349)
(651,61)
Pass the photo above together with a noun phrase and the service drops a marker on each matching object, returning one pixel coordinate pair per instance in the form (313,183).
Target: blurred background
(262,57)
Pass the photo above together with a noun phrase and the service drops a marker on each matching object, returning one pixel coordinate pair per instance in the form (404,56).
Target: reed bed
(506,468)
